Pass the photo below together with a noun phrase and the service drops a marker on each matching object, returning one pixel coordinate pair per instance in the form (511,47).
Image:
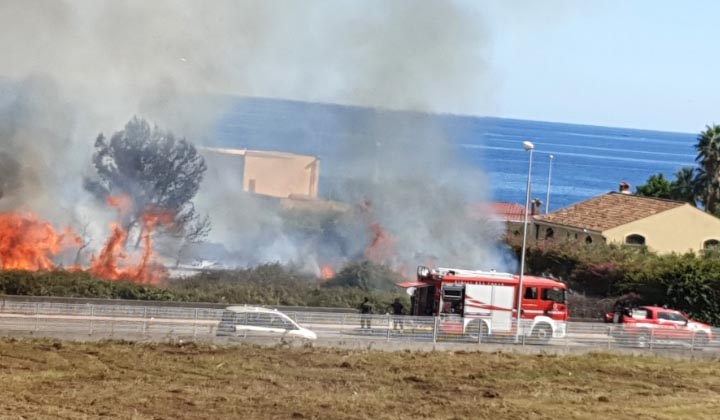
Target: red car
(646,323)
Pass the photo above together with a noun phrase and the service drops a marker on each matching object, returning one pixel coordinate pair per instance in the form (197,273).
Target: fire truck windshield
(555,295)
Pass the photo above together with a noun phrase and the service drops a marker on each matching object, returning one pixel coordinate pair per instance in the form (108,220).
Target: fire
(122,202)
(382,246)
(107,265)
(327,273)
(27,243)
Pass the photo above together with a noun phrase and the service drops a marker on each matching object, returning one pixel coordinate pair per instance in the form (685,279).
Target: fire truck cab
(485,302)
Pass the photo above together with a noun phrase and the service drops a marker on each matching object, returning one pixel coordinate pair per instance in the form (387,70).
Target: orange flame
(122,202)
(107,265)
(327,273)
(382,246)
(26,243)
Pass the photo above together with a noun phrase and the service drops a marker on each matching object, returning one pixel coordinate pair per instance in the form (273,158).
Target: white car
(256,321)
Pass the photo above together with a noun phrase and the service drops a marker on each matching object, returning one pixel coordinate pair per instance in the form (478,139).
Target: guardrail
(150,322)
(162,303)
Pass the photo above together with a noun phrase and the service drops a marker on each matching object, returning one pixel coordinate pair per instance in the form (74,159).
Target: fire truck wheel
(541,334)
(478,327)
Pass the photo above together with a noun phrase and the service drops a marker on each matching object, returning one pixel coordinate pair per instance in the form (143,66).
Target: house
(511,214)
(274,174)
(664,226)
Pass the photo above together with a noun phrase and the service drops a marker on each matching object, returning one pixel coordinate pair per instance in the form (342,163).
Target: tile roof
(507,212)
(608,211)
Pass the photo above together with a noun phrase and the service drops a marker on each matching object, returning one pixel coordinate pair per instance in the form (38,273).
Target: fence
(132,322)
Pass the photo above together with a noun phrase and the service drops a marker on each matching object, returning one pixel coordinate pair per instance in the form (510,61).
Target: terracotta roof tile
(507,212)
(608,211)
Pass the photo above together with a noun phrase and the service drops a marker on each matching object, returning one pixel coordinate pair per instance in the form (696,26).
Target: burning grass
(50,379)
(28,243)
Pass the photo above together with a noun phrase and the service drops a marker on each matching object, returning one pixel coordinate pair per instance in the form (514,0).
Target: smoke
(75,68)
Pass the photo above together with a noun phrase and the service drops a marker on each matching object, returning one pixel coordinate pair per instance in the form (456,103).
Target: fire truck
(483,304)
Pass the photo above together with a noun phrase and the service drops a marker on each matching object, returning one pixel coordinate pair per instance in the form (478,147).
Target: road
(150,323)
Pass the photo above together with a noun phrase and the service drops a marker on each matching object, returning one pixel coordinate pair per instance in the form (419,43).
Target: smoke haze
(76,68)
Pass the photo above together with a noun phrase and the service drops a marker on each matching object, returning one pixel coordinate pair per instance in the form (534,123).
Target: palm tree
(686,185)
(708,157)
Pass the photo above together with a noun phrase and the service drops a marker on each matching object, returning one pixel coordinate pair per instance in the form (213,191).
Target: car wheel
(541,334)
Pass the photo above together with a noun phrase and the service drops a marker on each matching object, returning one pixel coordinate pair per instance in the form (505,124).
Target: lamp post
(547,198)
(529,147)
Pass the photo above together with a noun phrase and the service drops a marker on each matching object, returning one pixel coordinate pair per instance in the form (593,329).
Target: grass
(45,379)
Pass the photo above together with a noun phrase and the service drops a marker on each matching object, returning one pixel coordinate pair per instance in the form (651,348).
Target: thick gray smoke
(76,68)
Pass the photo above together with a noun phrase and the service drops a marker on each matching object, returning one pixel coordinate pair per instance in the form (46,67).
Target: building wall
(680,230)
(281,174)
(540,232)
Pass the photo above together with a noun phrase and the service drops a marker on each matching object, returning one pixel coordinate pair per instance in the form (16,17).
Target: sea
(586,160)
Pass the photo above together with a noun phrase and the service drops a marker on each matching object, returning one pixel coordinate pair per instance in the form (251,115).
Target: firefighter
(398,312)
(365,311)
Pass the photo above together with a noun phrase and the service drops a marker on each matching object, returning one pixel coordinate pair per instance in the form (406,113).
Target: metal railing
(136,322)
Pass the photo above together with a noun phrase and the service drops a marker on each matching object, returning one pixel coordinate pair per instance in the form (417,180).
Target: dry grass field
(46,379)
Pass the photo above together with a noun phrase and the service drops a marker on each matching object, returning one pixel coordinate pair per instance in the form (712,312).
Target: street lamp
(529,147)
(547,198)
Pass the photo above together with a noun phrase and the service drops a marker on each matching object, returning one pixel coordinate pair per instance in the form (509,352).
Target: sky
(642,64)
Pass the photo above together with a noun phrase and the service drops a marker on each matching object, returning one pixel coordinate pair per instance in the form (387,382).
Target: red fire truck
(485,302)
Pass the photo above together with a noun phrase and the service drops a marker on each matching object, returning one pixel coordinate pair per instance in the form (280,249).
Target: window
(711,243)
(635,239)
(232,317)
(555,295)
(588,240)
(452,293)
(258,319)
(549,233)
(278,321)
(671,316)
(531,293)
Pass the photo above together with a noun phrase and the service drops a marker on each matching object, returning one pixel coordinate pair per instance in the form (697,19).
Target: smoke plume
(72,69)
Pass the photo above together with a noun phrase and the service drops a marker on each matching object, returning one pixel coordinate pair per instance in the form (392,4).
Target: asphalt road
(332,330)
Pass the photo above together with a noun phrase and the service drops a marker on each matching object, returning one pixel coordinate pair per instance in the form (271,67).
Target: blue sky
(641,63)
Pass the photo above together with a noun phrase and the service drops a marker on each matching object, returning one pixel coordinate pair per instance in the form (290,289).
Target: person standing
(398,312)
(365,312)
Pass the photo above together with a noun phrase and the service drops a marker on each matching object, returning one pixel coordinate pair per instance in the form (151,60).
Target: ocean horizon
(587,160)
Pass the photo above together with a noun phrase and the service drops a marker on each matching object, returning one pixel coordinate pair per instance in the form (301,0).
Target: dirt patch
(48,379)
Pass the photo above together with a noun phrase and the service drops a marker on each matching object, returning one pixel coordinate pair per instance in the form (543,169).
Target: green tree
(657,186)
(708,157)
(685,186)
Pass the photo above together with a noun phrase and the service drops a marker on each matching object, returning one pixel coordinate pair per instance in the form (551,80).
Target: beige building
(664,226)
(274,174)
